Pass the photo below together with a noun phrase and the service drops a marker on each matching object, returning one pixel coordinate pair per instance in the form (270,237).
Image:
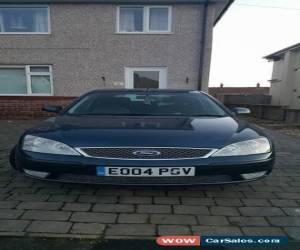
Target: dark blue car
(144,137)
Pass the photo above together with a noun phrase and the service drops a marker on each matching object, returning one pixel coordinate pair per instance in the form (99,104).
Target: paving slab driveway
(267,207)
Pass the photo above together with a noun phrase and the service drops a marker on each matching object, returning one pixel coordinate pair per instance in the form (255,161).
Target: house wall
(295,80)
(83,47)
(278,75)
(286,92)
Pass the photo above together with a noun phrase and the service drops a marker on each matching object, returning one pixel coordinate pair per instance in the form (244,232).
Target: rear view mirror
(240,111)
(52,109)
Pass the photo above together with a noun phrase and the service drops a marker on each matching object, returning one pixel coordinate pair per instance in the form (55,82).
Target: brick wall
(215,91)
(29,107)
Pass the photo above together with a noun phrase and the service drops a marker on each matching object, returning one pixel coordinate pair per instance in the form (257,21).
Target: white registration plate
(146,172)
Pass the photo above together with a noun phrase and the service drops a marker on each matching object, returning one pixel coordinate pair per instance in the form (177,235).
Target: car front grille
(133,153)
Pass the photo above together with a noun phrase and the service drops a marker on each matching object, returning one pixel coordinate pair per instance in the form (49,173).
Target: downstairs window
(26,80)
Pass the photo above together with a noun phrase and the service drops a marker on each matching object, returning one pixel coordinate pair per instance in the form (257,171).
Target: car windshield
(147,104)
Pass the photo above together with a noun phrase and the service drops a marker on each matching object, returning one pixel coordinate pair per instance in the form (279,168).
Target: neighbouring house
(241,95)
(54,51)
(285,81)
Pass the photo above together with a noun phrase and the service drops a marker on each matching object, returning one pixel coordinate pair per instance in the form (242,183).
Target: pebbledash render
(54,51)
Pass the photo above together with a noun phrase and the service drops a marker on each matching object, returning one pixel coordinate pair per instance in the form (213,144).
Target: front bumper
(79,169)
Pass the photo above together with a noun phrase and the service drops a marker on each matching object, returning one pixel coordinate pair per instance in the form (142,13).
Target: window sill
(25,95)
(24,33)
(144,33)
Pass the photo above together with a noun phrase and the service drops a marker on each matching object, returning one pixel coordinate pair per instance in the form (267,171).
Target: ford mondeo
(144,137)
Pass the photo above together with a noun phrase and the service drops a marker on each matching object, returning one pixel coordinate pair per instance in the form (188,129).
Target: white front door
(146,78)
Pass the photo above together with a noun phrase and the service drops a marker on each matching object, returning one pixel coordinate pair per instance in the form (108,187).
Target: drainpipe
(203,42)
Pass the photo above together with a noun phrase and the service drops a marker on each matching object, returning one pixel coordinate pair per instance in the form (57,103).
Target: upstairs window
(131,19)
(158,19)
(144,19)
(21,20)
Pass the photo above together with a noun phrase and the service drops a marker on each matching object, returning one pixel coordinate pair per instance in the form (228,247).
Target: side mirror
(240,111)
(52,109)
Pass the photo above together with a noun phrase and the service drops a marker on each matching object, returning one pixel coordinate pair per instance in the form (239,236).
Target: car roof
(144,90)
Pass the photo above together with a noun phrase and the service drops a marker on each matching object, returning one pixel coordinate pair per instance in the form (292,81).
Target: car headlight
(47,146)
(249,147)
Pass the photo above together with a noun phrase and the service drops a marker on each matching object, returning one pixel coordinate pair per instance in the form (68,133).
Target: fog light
(253,175)
(37,174)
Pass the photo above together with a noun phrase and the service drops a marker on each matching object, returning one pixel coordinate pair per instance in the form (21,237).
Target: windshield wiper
(210,115)
(131,114)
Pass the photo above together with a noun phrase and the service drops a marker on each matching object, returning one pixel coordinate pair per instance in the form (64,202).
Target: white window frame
(28,75)
(29,6)
(163,76)
(146,20)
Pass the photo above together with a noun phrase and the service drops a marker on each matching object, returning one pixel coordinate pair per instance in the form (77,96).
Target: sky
(249,30)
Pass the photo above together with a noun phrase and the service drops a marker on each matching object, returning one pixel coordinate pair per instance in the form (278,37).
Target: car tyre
(12,158)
